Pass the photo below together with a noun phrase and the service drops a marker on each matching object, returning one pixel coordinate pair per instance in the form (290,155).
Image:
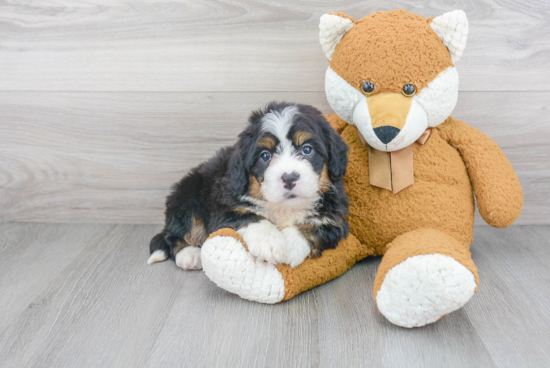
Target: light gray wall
(103,107)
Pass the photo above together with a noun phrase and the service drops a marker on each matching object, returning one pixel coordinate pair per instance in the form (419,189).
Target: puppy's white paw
(298,247)
(189,258)
(264,241)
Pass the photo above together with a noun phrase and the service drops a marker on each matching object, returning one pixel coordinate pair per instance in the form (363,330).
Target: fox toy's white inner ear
(452,29)
(332,28)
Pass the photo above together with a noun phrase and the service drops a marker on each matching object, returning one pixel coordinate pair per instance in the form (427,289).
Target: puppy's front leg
(298,247)
(189,258)
(264,241)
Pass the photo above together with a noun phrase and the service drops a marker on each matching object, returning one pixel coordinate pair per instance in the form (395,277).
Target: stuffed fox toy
(412,174)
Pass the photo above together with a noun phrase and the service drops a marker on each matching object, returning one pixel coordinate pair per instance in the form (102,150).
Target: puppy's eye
(409,90)
(307,150)
(265,156)
(367,87)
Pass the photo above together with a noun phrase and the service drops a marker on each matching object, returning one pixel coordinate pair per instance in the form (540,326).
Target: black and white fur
(280,187)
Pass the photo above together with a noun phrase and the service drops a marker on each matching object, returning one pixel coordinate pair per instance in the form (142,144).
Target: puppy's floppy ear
(337,149)
(241,161)
(337,154)
(238,172)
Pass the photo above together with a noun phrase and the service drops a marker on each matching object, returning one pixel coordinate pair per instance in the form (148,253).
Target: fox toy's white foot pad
(422,289)
(230,266)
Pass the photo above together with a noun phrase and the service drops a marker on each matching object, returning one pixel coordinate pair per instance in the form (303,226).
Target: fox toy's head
(392,74)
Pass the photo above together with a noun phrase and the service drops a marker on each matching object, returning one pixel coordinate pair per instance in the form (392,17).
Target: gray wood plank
(107,308)
(111,157)
(101,310)
(208,327)
(511,312)
(240,45)
(32,257)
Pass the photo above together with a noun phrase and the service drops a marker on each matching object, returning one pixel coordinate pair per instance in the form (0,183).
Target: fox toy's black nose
(290,179)
(386,133)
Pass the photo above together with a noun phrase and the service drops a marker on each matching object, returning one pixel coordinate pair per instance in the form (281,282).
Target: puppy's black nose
(290,179)
(386,133)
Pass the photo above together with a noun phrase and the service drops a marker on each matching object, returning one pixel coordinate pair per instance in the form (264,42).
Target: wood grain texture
(104,301)
(30,258)
(106,307)
(241,45)
(514,294)
(112,157)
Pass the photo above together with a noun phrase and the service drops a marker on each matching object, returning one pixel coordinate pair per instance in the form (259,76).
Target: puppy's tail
(159,249)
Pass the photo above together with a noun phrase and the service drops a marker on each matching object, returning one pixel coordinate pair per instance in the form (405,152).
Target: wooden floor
(83,296)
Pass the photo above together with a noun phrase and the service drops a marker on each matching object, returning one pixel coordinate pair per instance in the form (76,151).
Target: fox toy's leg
(228,264)
(424,275)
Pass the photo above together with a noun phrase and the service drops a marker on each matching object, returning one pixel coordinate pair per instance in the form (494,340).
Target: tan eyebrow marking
(300,137)
(266,142)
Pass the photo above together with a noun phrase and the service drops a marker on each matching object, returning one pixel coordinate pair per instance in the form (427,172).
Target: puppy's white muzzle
(290,180)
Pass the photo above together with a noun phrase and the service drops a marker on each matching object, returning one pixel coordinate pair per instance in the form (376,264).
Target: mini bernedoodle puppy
(280,187)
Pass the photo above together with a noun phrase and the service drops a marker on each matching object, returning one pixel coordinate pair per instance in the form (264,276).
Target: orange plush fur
(395,36)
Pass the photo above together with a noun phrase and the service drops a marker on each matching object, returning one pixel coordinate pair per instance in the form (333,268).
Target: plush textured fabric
(452,28)
(316,271)
(229,265)
(440,198)
(420,242)
(332,28)
(424,288)
(498,191)
(312,272)
(227,232)
(416,56)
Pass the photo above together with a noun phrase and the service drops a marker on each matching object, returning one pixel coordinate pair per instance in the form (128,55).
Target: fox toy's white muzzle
(390,121)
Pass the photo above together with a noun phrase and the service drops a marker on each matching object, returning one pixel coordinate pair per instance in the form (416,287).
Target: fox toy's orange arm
(496,185)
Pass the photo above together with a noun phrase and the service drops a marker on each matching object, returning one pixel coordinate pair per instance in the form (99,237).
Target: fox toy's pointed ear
(452,29)
(332,28)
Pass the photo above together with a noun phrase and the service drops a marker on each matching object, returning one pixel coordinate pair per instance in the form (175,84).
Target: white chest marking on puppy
(284,216)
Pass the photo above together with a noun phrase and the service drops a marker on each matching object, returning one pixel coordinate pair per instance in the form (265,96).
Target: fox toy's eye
(367,87)
(265,156)
(307,150)
(409,90)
